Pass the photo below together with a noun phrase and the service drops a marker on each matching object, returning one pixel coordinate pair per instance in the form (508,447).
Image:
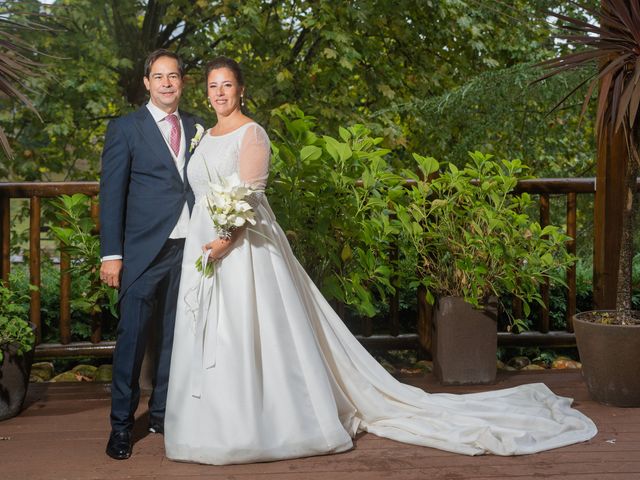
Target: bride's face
(223,91)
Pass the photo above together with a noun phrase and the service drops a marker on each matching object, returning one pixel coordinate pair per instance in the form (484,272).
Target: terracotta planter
(14,380)
(610,355)
(465,341)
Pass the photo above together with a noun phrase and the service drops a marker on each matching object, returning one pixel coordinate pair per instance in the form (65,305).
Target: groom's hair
(161,52)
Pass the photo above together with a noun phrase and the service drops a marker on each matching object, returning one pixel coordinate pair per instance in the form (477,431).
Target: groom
(145,200)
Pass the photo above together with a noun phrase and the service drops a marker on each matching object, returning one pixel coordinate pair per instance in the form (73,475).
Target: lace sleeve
(253,160)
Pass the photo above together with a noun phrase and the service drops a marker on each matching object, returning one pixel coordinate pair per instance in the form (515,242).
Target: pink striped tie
(174,137)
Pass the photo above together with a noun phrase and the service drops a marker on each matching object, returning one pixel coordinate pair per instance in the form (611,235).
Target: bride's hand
(219,248)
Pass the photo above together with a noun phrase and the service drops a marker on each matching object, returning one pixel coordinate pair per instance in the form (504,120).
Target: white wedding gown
(263,369)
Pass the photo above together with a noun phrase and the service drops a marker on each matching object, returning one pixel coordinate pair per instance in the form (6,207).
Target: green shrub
(78,235)
(16,334)
(473,237)
(340,231)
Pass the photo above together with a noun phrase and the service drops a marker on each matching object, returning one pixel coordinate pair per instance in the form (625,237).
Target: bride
(262,367)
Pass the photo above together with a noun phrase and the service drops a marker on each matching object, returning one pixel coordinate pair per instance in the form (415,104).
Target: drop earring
(242,100)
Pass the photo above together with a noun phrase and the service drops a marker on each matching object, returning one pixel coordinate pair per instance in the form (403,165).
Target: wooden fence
(540,335)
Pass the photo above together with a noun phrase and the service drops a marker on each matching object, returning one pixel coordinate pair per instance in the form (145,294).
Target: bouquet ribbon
(206,329)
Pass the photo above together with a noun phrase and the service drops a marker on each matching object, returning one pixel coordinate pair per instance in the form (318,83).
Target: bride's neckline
(231,132)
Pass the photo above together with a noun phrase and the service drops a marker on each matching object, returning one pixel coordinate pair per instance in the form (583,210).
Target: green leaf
(310,153)
(428,165)
(344,134)
(332,147)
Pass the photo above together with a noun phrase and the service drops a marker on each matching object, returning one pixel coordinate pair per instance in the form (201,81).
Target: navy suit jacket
(141,192)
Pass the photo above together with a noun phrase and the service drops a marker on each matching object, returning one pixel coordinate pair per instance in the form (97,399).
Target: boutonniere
(197,137)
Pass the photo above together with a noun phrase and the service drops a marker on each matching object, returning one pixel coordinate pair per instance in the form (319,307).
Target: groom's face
(164,84)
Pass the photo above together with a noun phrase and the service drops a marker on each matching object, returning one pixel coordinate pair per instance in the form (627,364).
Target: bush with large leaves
(331,197)
(473,236)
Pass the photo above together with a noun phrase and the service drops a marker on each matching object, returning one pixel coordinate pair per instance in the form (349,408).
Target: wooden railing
(541,335)
(35,192)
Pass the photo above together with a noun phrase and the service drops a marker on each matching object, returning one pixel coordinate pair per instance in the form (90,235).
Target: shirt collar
(158,114)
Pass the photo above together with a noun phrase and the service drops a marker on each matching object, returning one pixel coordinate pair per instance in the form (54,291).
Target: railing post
(34,264)
(544,288)
(5,237)
(65,294)
(96,318)
(95,212)
(394,307)
(96,327)
(572,232)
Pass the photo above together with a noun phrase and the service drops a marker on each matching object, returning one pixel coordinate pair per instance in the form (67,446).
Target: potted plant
(476,245)
(17,340)
(609,341)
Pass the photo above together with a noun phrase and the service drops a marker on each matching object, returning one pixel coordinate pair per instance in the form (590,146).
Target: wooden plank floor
(63,431)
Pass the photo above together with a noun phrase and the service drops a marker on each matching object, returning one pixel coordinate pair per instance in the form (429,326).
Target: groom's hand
(110,272)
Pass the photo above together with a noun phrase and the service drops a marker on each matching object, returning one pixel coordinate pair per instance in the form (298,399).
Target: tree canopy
(438,77)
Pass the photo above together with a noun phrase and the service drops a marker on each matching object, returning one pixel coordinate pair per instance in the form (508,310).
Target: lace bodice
(245,151)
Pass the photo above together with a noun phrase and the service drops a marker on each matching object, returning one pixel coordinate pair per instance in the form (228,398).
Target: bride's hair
(224,62)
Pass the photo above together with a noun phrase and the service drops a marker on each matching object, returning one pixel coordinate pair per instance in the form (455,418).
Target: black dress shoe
(156,426)
(119,446)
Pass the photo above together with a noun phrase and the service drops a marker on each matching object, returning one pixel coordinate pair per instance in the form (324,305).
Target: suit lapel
(189,132)
(189,124)
(154,139)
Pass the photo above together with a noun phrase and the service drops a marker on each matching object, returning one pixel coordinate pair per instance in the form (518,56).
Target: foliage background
(434,77)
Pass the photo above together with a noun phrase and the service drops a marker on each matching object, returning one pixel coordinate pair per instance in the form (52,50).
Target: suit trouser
(150,302)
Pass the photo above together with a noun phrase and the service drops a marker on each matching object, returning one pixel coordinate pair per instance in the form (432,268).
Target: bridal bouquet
(229,209)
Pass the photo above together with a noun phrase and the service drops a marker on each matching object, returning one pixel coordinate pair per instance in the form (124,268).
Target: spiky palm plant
(613,47)
(15,63)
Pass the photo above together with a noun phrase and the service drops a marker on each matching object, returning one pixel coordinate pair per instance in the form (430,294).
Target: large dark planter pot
(14,380)
(465,341)
(610,355)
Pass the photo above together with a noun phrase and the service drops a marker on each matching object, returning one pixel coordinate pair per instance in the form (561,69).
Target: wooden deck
(63,431)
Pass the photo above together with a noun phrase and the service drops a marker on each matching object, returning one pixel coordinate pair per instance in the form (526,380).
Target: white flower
(220,219)
(241,206)
(236,221)
(197,137)
(228,206)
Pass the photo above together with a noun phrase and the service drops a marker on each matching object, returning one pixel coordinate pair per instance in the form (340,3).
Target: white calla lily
(228,205)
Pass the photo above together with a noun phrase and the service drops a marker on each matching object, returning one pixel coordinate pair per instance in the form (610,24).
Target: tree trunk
(135,41)
(608,206)
(623,297)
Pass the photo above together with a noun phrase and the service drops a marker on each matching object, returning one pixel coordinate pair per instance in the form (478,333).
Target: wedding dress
(263,369)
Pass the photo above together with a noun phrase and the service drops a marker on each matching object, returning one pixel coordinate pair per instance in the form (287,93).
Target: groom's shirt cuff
(111,257)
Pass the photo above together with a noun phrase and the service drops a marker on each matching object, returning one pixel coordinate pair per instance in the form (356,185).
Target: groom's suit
(142,197)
